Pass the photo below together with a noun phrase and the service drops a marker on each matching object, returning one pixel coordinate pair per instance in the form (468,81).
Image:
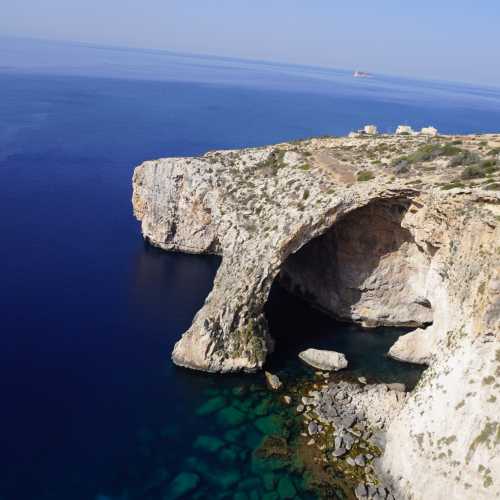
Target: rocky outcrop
(323,360)
(273,381)
(387,251)
(414,347)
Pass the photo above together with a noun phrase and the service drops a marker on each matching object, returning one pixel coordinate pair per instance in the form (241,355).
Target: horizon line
(267,62)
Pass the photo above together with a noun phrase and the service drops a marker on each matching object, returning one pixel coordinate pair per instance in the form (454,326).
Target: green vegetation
(453,184)
(489,436)
(482,169)
(464,158)
(429,152)
(365,175)
(273,162)
(472,172)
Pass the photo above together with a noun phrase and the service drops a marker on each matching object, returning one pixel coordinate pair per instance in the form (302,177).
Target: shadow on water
(228,436)
(296,326)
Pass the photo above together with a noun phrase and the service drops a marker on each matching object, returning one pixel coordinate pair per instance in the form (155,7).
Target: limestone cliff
(368,236)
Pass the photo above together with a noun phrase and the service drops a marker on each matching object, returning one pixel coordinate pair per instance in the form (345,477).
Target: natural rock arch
(255,218)
(366,268)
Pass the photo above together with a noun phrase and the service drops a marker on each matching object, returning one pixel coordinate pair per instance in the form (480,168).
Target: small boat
(361,74)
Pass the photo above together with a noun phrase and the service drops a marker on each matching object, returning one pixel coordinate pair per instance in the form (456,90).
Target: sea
(92,407)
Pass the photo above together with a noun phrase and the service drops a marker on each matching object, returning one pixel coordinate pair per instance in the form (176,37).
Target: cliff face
(390,251)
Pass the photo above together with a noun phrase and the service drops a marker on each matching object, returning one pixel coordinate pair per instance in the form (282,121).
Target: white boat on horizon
(361,74)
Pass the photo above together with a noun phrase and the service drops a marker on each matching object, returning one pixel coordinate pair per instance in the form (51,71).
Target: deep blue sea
(92,407)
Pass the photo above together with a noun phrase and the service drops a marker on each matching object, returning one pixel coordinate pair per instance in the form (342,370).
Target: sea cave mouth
(354,289)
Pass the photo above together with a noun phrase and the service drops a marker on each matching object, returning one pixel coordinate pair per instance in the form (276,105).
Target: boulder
(323,359)
(273,381)
(413,347)
(312,428)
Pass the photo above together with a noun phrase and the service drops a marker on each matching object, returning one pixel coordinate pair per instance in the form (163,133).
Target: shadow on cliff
(295,326)
(361,268)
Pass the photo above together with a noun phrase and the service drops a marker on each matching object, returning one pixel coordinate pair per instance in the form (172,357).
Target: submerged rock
(210,444)
(272,424)
(211,406)
(231,417)
(184,483)
(286,489)
(324,360)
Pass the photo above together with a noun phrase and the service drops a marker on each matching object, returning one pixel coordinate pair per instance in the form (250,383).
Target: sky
(439,39)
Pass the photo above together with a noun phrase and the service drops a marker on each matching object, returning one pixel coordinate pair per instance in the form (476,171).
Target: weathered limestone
(368,269)
(324,360)
(383,252)
(414,347)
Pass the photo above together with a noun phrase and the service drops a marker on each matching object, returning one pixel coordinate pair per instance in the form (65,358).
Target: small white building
(431,131)
(370,130)
(404,130)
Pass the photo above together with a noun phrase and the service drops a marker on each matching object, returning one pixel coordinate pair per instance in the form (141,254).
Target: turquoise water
(89,314)
(242,440)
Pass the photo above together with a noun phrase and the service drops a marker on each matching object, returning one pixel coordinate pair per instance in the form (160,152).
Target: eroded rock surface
(415,241)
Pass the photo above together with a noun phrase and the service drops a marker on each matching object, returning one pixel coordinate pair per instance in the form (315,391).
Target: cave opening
(354,289)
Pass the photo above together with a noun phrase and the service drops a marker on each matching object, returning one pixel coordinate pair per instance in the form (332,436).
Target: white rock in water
(273,381)
(413,347)
(323,360)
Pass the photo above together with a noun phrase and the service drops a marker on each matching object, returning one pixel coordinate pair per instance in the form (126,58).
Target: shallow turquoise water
(232,416)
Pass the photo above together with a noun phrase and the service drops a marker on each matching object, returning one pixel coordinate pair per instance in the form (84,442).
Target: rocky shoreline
(344,422)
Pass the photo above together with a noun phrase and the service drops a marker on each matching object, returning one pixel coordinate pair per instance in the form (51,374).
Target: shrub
(472,172)
(449,150)
(494,152)
(453,184)
(274,161)
(494,186)
(432,151)
(365,175)
(464,158)
(489,166)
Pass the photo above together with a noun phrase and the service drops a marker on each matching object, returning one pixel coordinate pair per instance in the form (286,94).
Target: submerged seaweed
(242,441)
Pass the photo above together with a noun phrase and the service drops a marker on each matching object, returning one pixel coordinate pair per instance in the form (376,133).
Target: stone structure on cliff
(341,223)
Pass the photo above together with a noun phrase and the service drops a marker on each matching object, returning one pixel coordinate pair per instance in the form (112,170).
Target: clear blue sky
(442,39)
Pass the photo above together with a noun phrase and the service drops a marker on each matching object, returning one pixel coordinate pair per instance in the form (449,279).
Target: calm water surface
(92,406)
